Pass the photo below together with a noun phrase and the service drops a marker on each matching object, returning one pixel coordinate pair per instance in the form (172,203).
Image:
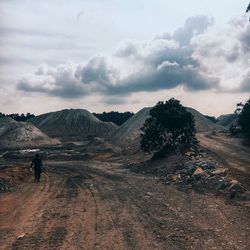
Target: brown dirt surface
(98,204)
(230,152)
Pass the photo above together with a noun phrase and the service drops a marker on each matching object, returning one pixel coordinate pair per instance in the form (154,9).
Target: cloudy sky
(105,55)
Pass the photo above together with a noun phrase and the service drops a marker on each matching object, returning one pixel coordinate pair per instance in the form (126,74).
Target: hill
(129,133)
(72,123)
(202,124)
(227,120)
(15,134)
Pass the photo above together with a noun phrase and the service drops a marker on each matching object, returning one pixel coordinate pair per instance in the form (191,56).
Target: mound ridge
(129,133)
(227,120)
(15,134)
(202,124)
(68,123)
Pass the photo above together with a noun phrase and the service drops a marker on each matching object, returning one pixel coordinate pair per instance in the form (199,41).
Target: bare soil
(230,152)
(99,204)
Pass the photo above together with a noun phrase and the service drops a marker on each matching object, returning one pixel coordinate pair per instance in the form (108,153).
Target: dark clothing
(37,167)
(37,163)
(38,173)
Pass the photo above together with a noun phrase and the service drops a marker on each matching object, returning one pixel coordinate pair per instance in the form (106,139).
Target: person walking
(37,163)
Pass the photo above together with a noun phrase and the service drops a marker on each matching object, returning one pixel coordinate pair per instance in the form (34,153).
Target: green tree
(244,119)
(168,126)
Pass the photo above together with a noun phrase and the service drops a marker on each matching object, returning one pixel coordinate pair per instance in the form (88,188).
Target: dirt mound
(101,145)
(202,124)
(129,133)
(227,120)
(13,177)
(15,134)
(195,169)
(73,123)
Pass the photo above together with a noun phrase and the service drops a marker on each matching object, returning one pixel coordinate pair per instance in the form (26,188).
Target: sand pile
(227,120)
(129,133)
(72,123)
(15,134)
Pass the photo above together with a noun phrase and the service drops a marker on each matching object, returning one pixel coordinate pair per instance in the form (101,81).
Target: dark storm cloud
(165,77)
(162,63)
(64,91)
(97,71)
(54,82)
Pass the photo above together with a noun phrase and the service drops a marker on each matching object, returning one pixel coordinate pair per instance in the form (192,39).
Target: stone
(221,184)
(236,186)
(199,172)
(190,153)
(220,171)
(20,236)
(176,177)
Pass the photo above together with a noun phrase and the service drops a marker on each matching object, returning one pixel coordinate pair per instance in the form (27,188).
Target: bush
(168,127)
(244,119)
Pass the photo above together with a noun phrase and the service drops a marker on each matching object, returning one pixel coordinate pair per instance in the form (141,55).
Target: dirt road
(231,153)
(100,205)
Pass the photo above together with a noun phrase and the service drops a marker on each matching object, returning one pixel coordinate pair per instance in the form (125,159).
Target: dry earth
(98,204)
(230,152)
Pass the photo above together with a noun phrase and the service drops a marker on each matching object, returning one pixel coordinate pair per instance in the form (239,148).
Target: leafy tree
(244,119)
(168,126)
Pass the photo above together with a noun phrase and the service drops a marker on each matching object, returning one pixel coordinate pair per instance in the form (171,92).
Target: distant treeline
(114,116)
(17,117)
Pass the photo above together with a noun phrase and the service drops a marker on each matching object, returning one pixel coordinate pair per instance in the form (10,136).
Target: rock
(221,184)
(207,166)
(235,186)
(20,236)
(199,172)
(190,153)
(220,171)
(190,169)
(244,196)
(176,177)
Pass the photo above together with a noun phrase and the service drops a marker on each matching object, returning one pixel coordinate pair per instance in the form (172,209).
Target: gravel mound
(15,134)
(72,123)
(129,133)
(202,124)
(227,120)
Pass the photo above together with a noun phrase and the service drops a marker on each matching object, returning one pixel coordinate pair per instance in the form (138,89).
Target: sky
(105,55)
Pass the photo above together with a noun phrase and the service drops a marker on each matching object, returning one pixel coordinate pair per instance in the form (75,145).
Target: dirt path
(99,205)
(231,153)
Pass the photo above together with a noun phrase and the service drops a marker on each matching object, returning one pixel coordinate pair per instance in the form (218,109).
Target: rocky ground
(97,202)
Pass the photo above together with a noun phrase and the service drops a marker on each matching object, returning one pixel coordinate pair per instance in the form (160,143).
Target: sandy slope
(72,123)
(99,205)
(128,134)
(15,134)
